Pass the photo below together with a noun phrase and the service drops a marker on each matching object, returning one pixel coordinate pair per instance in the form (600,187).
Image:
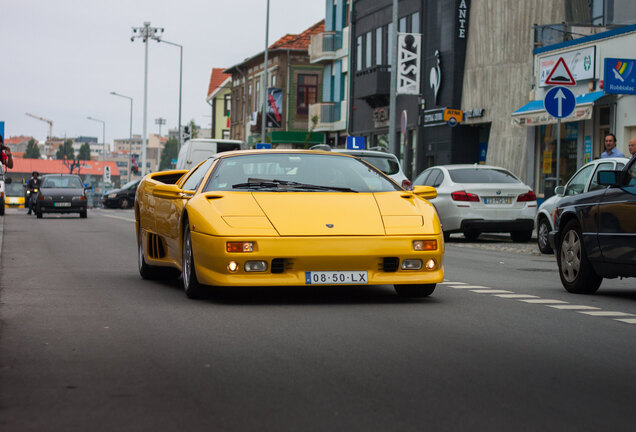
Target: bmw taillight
(406,184)
(529,196)
(464,196)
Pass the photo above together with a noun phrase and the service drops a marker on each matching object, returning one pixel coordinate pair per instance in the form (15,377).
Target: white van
(198,149)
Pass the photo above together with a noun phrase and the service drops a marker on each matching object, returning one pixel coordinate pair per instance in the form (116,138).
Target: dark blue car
(595,232)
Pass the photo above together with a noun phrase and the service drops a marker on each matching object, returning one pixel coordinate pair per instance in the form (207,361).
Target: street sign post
(559,102)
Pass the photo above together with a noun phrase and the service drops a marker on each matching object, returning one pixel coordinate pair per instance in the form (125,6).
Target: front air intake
(390,264)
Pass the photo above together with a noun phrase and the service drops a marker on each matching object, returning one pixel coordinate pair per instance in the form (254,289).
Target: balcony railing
(324,45)
(330,115)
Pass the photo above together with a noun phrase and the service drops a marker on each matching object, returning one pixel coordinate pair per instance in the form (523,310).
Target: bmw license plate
(62,204)
(335,277)
(497,200)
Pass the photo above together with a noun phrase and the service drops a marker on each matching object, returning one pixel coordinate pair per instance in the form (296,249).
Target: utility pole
(146,32)
(50,137)
(180,137)
(264,90)
(394,65)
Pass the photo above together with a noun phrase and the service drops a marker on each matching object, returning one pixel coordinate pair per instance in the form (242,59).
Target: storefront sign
(587,151)
(547,162)
(543,118)
(462,19)
(434,117)
(473,113)
(274,107)
(581,63)
(452,117)
(381,117)
(409,49)
(620,76)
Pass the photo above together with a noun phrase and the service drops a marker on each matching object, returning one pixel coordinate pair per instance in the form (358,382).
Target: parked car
(388,163)
(123,197)
(288,218)
(61,193)
(595,231)
(582,181)
(195,150)
(473,199)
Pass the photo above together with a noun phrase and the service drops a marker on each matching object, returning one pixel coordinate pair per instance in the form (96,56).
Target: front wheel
(124,203)
(191,285)
(575,270)
(414,290)
(543,229)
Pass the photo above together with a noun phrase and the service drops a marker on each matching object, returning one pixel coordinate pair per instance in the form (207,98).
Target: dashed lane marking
(515,296)
(452,283)
(490,291)
(608,314)
(118,217)
(468,287)
(573,307)
(627,320)
(543,301)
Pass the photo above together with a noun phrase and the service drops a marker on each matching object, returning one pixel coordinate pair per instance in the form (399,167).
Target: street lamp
(104,144)
(264,90)
(180,82)
(130,141)
(146,32)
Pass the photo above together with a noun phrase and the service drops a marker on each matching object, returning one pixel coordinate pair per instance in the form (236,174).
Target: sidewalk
(498,242)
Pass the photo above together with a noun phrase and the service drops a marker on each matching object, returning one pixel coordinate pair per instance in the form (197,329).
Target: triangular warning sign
(560,75)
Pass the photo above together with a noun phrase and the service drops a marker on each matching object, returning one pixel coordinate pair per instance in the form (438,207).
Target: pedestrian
(6,158)
(610,147)
(632,146)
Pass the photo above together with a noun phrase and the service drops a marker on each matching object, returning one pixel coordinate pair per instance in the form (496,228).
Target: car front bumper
(294,256)
(482,225)
(61,206)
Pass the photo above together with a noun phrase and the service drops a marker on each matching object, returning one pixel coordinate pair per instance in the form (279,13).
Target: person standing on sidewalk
(610,147)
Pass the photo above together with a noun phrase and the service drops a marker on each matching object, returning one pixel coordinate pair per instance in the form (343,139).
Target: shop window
(306,93)
(227,103)
(548,156)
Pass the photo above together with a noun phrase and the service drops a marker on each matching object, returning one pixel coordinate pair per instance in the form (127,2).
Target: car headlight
(113,195)
(78,198)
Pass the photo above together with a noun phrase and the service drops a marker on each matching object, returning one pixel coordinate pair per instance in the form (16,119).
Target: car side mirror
(7,180)
(426,192)
(609,178)
(559,190)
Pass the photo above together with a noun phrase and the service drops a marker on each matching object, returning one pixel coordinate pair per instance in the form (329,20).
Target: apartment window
(415,22)
(257,96)
(306,93)
(402,25)
(359,53)
(378,45)
(274,80)
(389,44)
(227,103)
(369,50)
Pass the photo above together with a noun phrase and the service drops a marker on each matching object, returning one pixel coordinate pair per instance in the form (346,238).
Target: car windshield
(62,182)
(130,184)
(482,175)
(296,172)
(14,189)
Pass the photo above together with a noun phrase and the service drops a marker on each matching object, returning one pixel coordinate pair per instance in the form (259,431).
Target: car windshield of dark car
(385,164)
(62,182)
(130,184)
(481,175)
(296,172)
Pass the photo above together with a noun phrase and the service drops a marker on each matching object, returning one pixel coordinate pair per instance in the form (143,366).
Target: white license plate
(62,204)
(336,277)
(498,200)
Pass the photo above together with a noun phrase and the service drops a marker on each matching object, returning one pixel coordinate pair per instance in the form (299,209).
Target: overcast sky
(60,59)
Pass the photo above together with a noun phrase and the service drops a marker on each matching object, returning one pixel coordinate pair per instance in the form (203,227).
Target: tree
(194,130)
(32,150)
(84,152)
(65,151)
(169,152)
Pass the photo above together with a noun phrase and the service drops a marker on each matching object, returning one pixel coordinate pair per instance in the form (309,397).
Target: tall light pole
(393,62)
(130,140)
(180,137)
(264,90)
(104,144)
(146,32)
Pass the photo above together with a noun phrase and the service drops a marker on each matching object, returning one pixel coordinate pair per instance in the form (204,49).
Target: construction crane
(50,122)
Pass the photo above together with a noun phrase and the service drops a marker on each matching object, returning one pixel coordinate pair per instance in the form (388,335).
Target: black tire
(83,214)
(147,271)
(2,209)
(446,236)
(191,285)
(543,229)
(415,290)
(38,214)
(575,270)
(124,203)
(471,235)
(521,236)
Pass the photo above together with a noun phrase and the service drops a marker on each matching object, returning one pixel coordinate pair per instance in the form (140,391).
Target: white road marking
(468,287)
(542,301)
(515,296)
(627,320)
(573,307)
(118,217)
(452,283)
(490,291)
(607,314)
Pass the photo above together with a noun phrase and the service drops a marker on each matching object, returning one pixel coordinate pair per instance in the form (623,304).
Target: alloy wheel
(571,255)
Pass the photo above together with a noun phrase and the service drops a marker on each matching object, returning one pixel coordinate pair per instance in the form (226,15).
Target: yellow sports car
(288,218)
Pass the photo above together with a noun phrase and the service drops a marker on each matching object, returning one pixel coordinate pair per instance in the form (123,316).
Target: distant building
(220,100)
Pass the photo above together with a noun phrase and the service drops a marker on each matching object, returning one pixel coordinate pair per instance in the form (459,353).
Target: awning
(534,113)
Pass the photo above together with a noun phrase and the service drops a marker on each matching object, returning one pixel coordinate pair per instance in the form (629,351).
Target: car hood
(324,214)
(66,192)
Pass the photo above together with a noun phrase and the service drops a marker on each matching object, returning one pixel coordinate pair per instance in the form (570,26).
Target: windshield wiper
(286,185)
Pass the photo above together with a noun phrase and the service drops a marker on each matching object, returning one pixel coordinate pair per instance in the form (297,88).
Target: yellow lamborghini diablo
(288,218)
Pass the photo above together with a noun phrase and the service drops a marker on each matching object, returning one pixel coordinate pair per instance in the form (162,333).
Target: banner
(274,107)
(409,58)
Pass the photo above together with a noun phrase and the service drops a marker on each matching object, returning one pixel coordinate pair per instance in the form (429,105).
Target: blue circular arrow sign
(559,102)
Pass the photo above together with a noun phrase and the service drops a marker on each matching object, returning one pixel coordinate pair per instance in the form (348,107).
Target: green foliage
(65,151)
(84,152)
(314,123)
(32,150)
(194,130)
(170,151)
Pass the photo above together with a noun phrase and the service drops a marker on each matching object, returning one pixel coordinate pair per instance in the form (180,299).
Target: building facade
(219,98)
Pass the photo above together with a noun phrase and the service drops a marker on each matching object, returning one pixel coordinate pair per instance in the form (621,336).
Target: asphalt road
(85,344)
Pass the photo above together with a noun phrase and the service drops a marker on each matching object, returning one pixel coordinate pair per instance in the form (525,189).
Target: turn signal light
(424,245)
(529,196)
(240,247)
(464,196)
